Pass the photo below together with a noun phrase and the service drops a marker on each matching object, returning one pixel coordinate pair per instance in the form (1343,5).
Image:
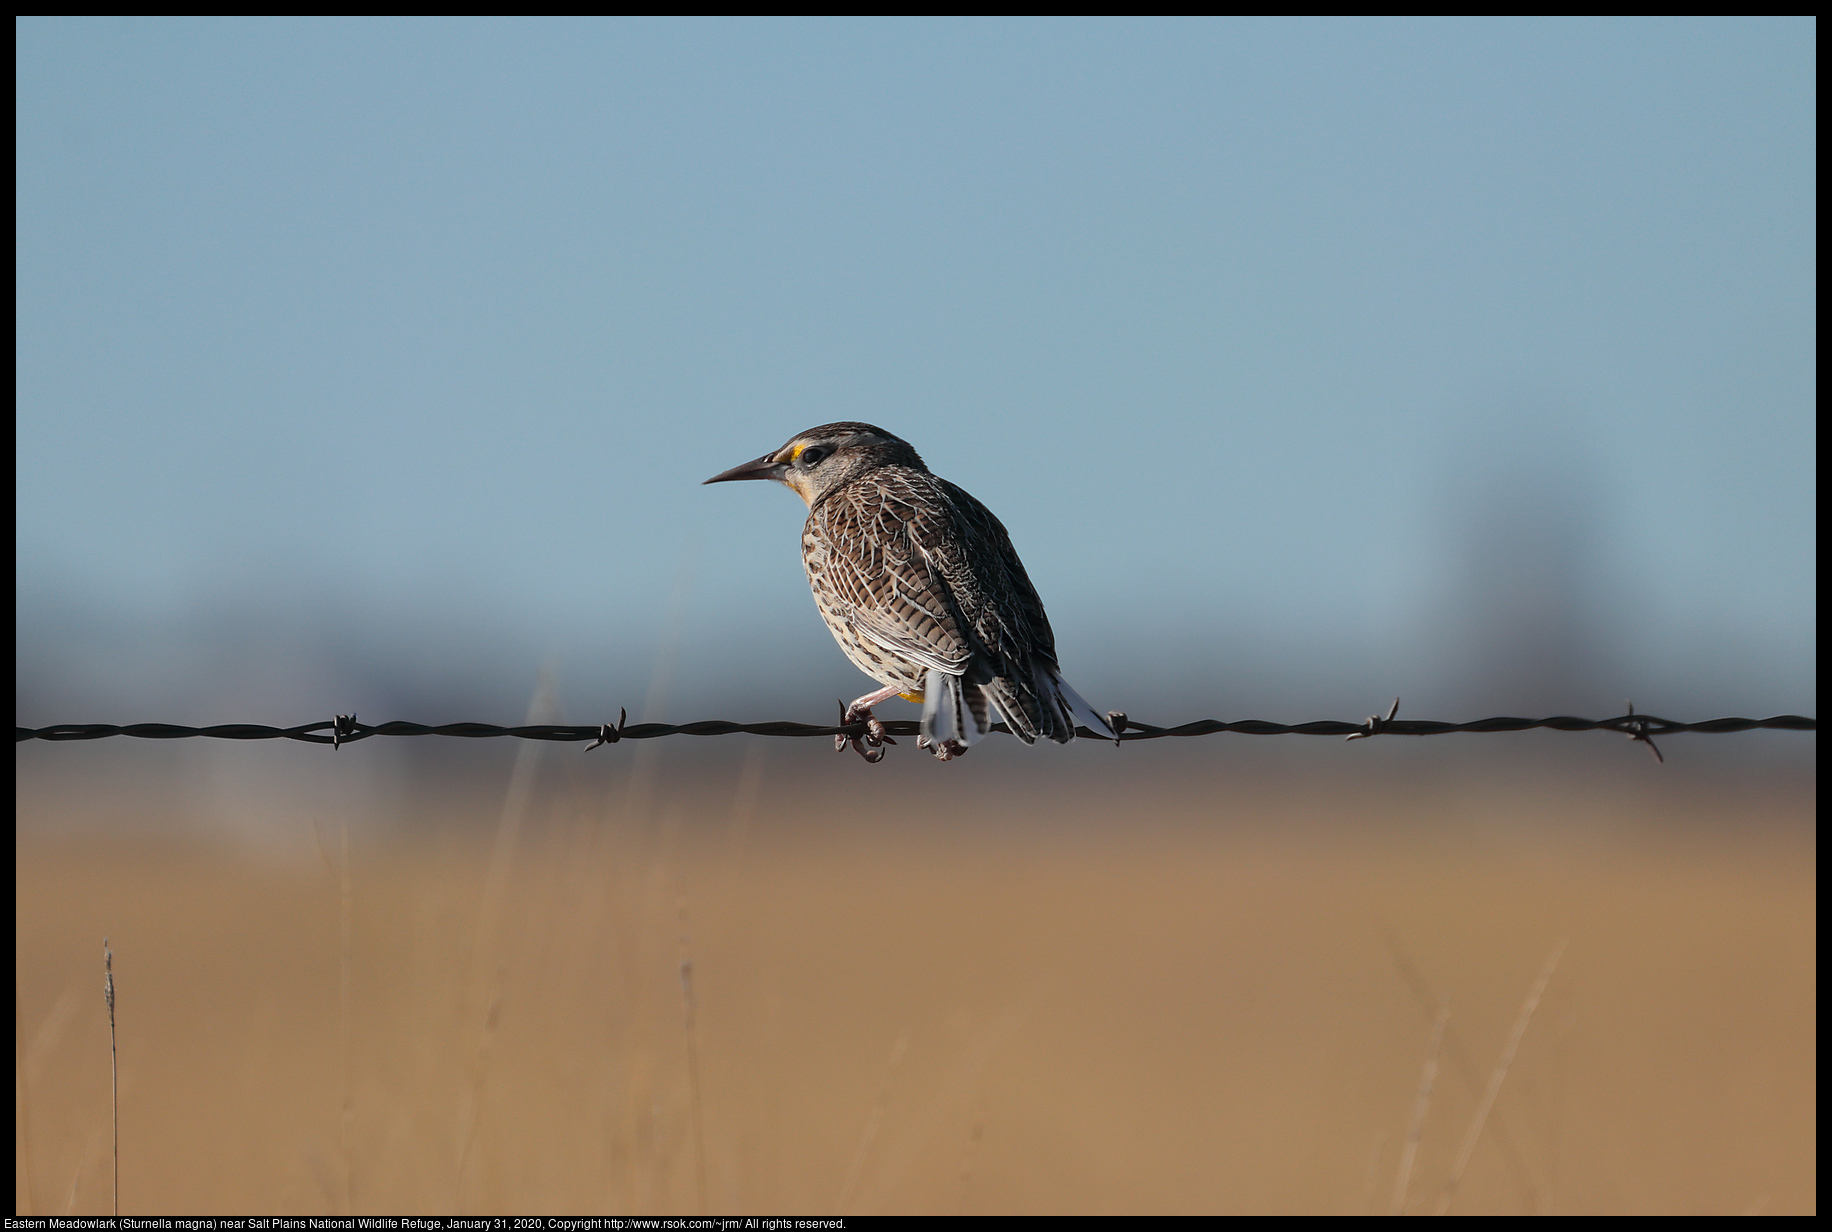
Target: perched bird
(922,589)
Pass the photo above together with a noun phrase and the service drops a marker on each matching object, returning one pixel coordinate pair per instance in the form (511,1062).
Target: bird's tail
(962,710)
(1069,706)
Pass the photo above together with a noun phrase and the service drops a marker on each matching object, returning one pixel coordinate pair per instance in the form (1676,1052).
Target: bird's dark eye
(812,455)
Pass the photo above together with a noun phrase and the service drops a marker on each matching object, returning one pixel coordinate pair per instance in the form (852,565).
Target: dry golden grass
(1184,981)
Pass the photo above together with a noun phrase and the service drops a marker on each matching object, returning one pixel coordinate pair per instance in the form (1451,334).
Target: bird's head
(821,459)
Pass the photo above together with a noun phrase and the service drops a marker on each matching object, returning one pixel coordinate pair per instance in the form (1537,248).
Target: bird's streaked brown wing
(974,557)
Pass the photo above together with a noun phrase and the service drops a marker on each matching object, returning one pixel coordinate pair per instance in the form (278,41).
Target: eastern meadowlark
(922,589)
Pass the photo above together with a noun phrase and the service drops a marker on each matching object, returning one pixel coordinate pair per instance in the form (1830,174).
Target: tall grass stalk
(82,1161)
(970,1157)
(871,1124)
(1465,1069)
(343,1014)
(543,707)
(1501,1071)
(114,1069)
(1427,1080)
(693,1060)
(23,1122)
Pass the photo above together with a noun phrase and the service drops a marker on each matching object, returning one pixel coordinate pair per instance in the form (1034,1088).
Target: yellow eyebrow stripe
(796,452)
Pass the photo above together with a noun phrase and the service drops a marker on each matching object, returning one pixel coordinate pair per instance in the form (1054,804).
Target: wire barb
(343,727)
(608,734)
(1635,727)
(1376,726)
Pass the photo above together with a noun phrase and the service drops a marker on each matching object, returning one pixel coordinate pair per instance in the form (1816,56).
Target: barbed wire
(345,729)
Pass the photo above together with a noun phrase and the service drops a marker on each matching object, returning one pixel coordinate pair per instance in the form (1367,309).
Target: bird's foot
(947,750)
(874,736)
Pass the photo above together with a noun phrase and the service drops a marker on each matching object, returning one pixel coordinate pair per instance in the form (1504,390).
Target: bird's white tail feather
(1079,709)
(949,714)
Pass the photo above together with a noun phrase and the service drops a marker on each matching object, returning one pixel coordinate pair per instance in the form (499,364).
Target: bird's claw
(874,735)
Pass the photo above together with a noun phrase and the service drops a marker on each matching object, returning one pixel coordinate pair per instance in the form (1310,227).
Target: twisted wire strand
(344,729)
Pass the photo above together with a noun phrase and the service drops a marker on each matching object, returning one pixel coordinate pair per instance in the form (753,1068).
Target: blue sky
(371,363)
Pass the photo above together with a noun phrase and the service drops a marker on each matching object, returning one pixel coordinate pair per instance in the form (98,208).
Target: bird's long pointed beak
(766,467)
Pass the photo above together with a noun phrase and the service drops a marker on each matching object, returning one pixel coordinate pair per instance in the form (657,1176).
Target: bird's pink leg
(874,729)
